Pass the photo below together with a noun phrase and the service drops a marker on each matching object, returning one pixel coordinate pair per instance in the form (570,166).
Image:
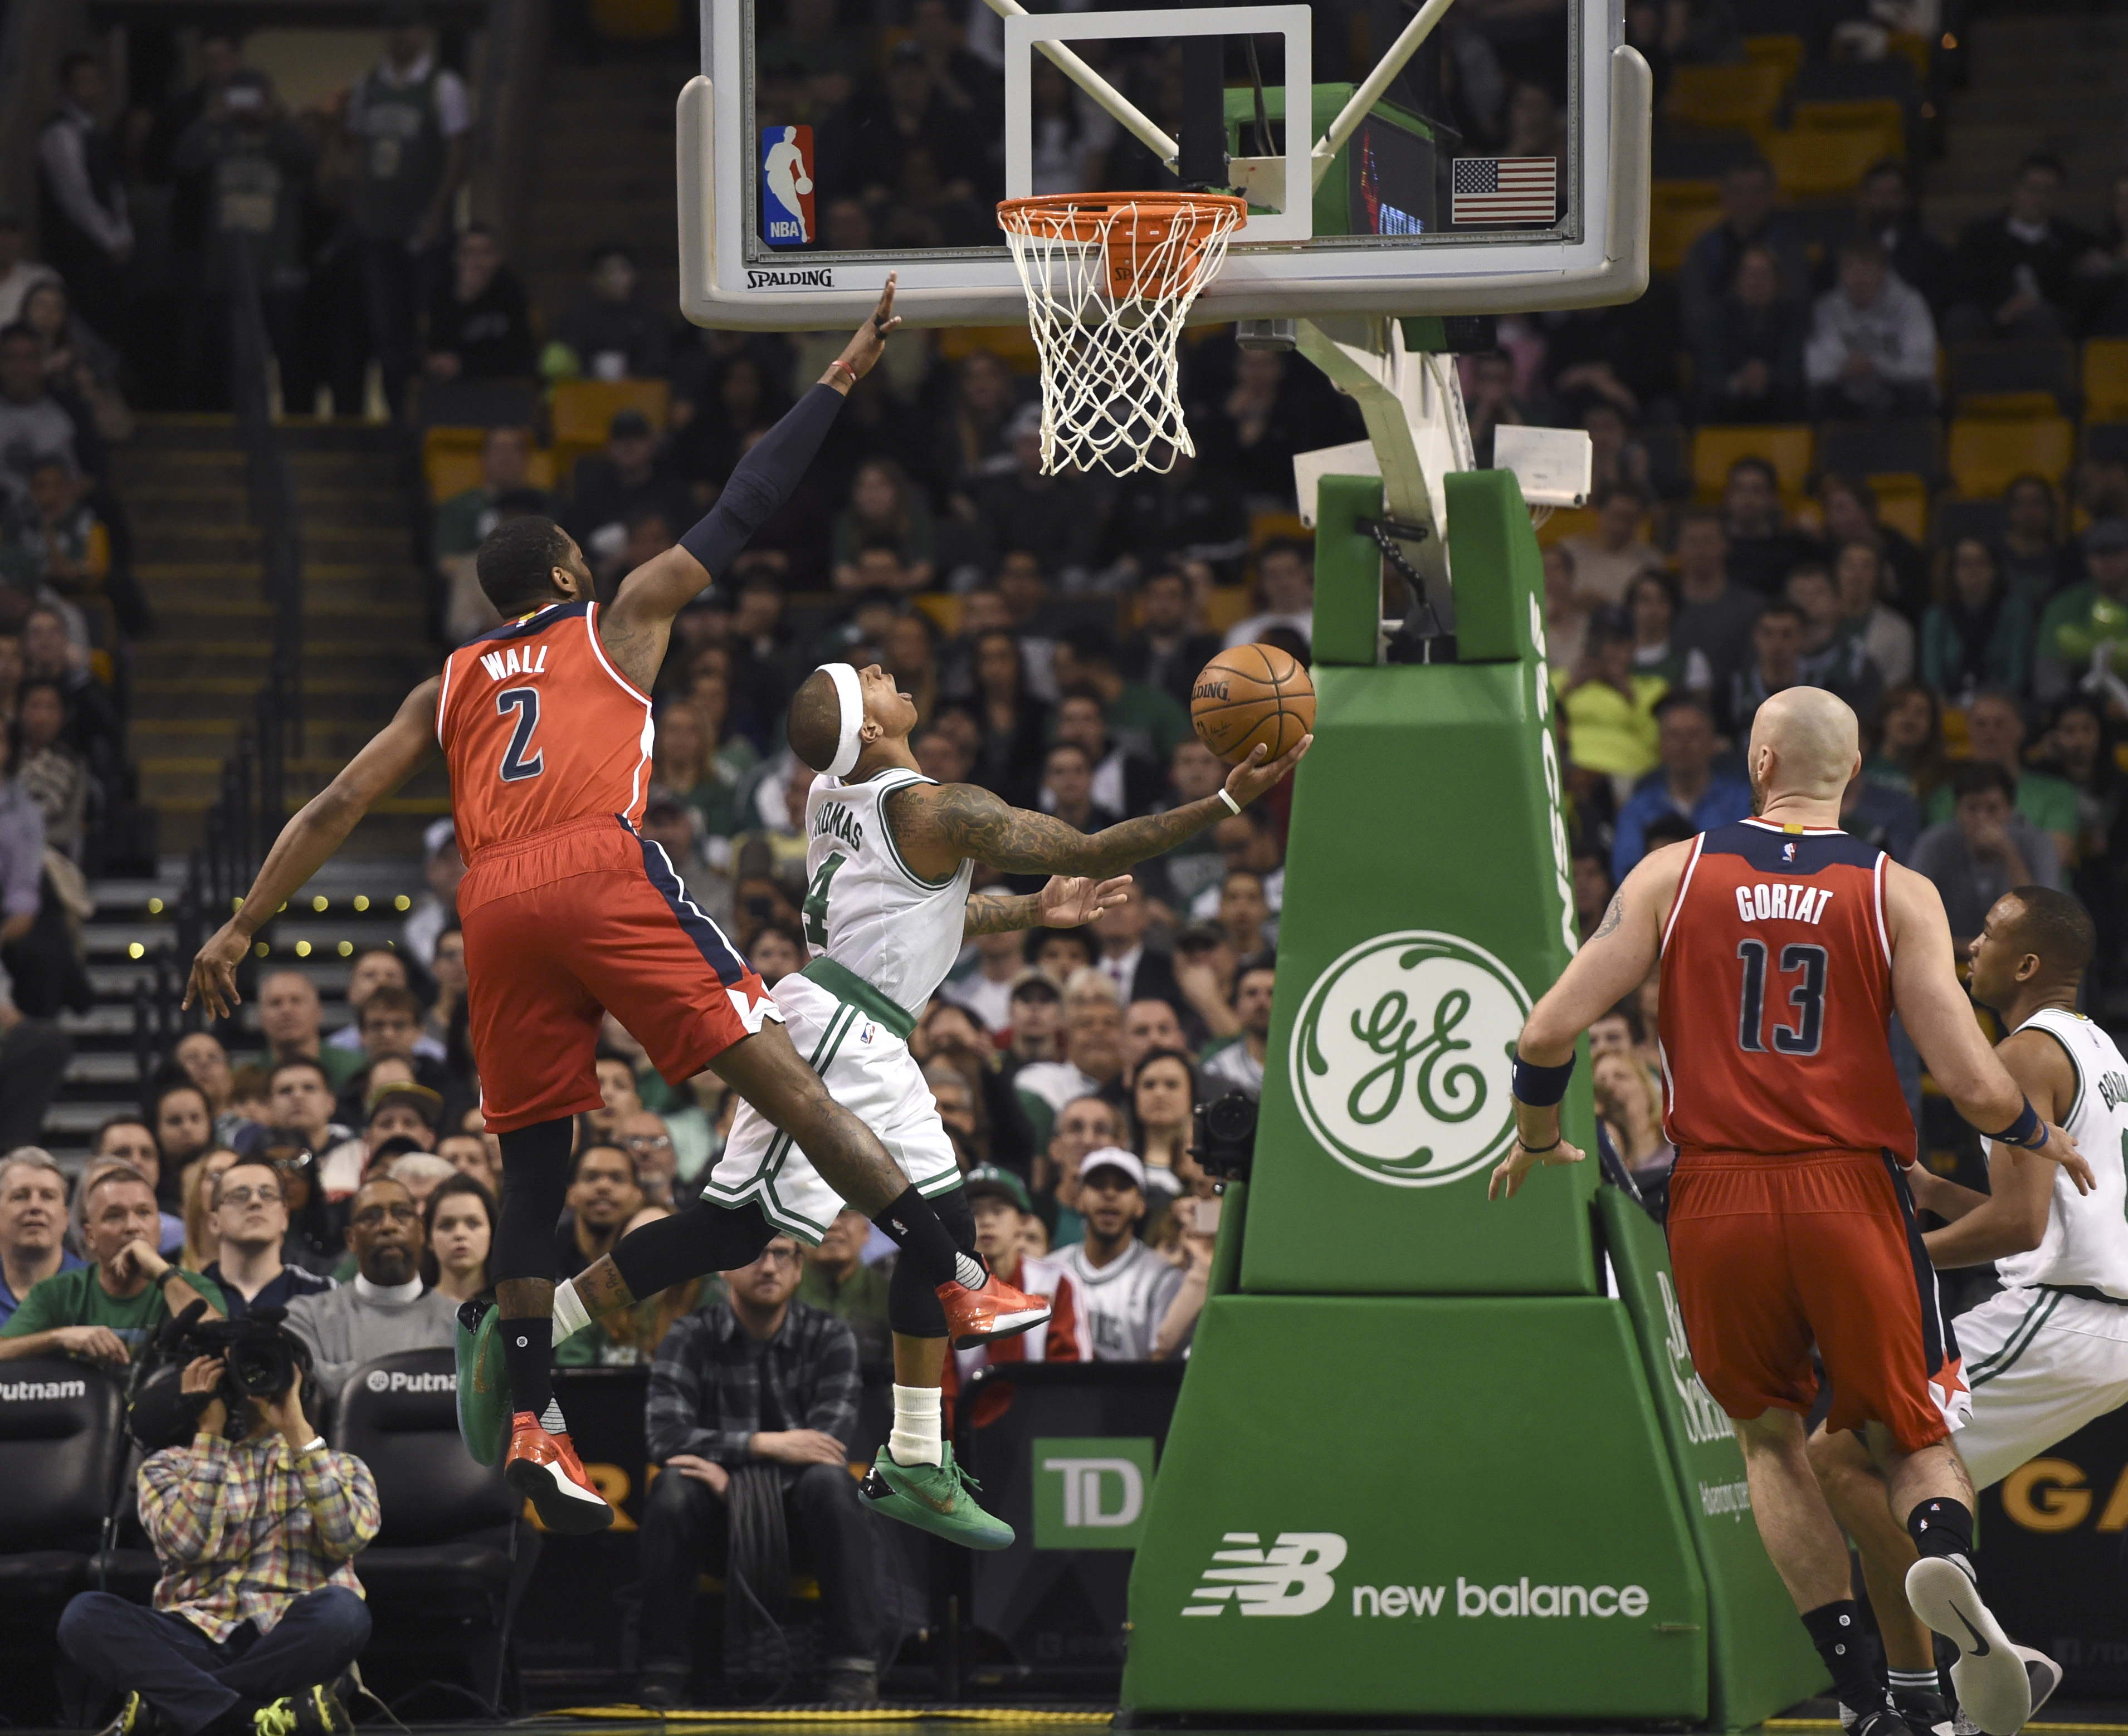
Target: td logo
(1090,1494)
(1401,1058)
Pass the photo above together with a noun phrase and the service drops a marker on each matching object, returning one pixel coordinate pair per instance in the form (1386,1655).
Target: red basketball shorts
(573,923)
(1771,1254)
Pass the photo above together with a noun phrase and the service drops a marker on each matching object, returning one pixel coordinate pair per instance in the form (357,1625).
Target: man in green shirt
(2085,615)
(1996,727)
(836,1280)
(106,1311)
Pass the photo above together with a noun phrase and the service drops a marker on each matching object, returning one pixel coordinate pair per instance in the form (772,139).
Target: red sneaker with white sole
(978,1318)
(544,1469)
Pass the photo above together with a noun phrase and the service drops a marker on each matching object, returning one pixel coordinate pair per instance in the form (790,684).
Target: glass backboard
(1500,164)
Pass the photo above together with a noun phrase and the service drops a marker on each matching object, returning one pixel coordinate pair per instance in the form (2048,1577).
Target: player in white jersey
(890,853)
(2049,1352)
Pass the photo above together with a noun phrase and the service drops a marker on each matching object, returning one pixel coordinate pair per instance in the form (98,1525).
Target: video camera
(260,1358)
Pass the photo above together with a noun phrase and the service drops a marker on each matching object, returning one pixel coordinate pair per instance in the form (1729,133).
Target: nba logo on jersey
(866,1035)
(1788,852)
(787,185)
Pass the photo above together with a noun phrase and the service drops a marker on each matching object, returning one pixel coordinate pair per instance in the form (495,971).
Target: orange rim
(1130,226)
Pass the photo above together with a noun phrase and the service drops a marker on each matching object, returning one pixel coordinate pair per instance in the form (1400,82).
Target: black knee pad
(703,1239)
(536,1183)
(912,1304)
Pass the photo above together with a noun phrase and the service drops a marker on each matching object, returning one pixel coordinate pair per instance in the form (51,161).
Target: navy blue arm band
(1540,1087)
(2027,1131)
(763,480)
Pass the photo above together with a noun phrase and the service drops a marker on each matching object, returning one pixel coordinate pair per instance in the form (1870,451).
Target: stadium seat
(476,403)
(1902,502)
(1990,371)
(2105,380)
(1914,48)
(1698,156)
(1568,521)
(635,21)
(2108,442)
(62,1449)
(452,1555)
(1787,448)
(1680,212)
(2007,406)
(1821,164)
(1986,519)
(1912,444)
(1013,345)
(1985,456)
(1742,95)
(584,410)
(450,462)
(1784,51)
(1878,119)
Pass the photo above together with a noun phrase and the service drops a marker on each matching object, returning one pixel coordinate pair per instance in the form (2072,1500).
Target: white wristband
(312,1444)
(1232,806)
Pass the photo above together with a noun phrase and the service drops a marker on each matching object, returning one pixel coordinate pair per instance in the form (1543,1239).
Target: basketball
(1253,694)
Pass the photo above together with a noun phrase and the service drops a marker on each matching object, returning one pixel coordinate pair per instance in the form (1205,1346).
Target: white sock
(973,1273)
(916,1440)
(571,1316)
(550,1419)
(1923,1680)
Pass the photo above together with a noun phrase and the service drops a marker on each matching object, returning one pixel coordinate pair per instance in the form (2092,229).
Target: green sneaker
(484,1382)
(933,1498)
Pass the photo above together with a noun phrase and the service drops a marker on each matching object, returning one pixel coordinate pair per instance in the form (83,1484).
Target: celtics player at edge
(568,913)
(1785,946)
(891,854)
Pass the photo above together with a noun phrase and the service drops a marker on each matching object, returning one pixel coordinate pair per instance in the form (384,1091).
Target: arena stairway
(365,903)
(197,556)
(2038,79)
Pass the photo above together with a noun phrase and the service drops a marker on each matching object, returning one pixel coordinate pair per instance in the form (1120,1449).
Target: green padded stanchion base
(483,1387)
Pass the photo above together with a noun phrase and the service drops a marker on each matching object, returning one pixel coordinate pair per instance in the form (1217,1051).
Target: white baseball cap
(1112,1157)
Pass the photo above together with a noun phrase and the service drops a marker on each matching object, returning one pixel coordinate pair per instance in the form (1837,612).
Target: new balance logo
(1291,1577)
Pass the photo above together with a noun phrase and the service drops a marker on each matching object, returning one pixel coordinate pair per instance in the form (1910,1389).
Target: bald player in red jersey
(568,914)
(1785,946)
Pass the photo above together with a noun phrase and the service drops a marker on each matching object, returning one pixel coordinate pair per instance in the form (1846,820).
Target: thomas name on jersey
(500,664)
(1781,902)
(835,820)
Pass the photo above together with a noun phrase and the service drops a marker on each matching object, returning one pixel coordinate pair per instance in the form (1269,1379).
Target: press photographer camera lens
(260,1358)
(1226,1129)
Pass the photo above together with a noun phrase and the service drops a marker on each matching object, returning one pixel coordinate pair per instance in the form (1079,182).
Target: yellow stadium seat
(1914,46)
(1013,345)
(1741,96)
(635,21)
(1785,53)
(1880,119)
(450,461)
(1788,448)
(2105,380)
(1680,211)
(1985,456)
(944,609)
(1820,164)
(1902,503)
(583,410)
(1568,521)
(2007,406)
(1228,606)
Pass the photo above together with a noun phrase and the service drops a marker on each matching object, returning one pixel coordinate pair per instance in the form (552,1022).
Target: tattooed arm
(1067,902)
(939,825)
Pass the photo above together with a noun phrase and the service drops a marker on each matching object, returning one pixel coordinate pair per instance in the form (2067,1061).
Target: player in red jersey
(1785,946)
(568,914)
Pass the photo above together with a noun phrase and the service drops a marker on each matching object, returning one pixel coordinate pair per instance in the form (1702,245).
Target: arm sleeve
(763,480)
(341,1495)
(181,1499)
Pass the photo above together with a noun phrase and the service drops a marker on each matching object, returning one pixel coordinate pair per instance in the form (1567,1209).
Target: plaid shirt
(245,1528)
(706,1387)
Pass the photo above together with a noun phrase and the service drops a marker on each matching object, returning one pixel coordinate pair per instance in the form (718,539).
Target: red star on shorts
(1950,1382)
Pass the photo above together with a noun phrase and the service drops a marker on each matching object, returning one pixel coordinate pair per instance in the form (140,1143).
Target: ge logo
(378,1381)
(1401,1058)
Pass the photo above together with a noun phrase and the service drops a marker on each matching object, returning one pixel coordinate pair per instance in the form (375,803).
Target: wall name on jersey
(500,664)
(837,820)
(1781,902)
(2113,1087)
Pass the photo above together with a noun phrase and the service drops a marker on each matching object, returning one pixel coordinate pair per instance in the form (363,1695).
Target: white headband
(851,694)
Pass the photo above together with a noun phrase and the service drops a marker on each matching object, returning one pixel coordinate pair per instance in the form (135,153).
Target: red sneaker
(545,1469)
(976,1317)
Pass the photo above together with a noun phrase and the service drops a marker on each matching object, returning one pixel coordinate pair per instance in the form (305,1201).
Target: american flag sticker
(1503,190)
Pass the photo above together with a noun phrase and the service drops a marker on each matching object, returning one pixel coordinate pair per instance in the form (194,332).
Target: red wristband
(839,363)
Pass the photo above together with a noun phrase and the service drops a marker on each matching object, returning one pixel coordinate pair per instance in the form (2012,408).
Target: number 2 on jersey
(816,907)
(1808,997)
(524,701)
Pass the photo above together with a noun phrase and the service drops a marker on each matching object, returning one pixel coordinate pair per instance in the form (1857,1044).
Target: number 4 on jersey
(816,907)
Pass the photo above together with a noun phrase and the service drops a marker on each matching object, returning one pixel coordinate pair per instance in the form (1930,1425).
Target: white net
(1109,280)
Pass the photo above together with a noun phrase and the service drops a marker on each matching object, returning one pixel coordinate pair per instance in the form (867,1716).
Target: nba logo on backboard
(787,185)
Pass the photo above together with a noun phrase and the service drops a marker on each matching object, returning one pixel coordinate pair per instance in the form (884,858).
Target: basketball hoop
(1109,279)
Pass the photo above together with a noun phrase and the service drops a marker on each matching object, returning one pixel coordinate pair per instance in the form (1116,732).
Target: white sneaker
(1990,1676)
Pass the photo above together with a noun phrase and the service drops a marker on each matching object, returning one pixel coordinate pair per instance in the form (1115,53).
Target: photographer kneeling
(257,1611)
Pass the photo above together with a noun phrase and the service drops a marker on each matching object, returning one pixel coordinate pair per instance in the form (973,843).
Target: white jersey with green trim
(2086,1244)
(865,909)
